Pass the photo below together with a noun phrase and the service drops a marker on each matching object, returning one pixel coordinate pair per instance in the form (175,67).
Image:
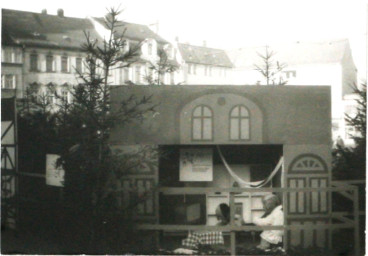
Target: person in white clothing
(273,216)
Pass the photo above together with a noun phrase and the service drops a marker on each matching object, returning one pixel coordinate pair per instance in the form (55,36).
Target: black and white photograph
(183,127)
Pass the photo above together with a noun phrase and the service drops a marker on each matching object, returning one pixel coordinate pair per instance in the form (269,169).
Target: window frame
(50,55)
(126,74)
(33,62)
(202,117)
(4,81)
(80,69)
(137,74)
(64,69)
(239,117)
(189,68)
(150,48)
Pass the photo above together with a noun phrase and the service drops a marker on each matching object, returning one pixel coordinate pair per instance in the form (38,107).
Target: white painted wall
(215,75)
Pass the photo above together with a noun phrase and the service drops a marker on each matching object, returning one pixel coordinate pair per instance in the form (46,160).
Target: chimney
(44,11)
(60,13)
(204,43)
(157,26)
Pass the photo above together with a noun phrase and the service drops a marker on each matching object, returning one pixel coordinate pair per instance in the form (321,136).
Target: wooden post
(232,215)
(356,221)
(285,208)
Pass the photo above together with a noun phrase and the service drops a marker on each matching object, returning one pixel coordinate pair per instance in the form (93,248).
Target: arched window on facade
(202,123)
(239,123)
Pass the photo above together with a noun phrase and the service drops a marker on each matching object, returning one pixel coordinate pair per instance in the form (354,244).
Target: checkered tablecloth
(205,238)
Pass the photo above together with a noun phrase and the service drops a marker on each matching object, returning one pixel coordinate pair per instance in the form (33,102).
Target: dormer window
(125,46)
(149,48)
(169,51)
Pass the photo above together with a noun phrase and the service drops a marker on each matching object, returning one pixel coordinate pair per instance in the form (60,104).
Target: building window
(194,69)
(64,63)
(78,65)
(8,54)
(34,62)
(202,123)
(11,55)
(137,74)
(18,55)
(189,68)
(239,123)
(50,63)
(290,74)
(210,71)
(350,132)
(64,95)
(8,81)
(149,47)
(172,79)
(50,97)
(205,70)
(126,74)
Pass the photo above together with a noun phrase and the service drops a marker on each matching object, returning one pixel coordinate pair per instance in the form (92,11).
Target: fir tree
(350,163)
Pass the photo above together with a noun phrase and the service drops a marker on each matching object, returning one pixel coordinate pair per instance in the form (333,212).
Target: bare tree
(271,71)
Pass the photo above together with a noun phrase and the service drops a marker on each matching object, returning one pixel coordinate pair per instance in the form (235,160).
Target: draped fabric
(254,184)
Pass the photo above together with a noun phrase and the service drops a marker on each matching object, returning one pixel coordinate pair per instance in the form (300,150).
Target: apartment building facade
(41,50)
(203,65)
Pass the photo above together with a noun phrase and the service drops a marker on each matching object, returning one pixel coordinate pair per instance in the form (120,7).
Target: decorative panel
(308,164)
(319,200)
(297,200)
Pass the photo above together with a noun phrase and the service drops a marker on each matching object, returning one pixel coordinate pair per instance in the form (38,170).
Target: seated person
(209,238)
(273,216)
(223,214)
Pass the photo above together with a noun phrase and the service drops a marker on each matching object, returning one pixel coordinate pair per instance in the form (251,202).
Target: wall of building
(291,114)
(57,76)
(14,70)
(12,67)
(121,76)
(206,74)
(307,166)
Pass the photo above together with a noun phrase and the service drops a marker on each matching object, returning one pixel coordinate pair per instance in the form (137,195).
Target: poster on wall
(196,164)
(54,175)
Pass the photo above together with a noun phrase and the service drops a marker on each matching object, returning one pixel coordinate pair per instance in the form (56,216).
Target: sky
(232,23)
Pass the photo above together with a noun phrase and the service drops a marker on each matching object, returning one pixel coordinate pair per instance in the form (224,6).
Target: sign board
(54,175)
(196,164)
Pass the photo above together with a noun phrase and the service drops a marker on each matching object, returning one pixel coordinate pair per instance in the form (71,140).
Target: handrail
(205,190)
(229,228)
(232,228)
(349,182)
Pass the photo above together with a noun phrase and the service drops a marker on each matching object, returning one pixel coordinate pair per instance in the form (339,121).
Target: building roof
(53,31)
(204,55)
(44,30)
(298,53)
(134,31)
